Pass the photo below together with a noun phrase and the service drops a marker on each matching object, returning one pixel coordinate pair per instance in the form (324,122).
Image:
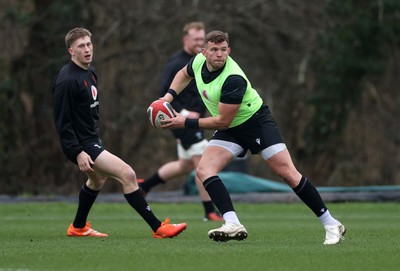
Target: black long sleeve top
(76,107)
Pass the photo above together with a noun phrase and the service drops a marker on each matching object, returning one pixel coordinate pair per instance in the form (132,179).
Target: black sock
(151,182)
(219,195)
(137,201)
(87,197)
(208,207)
(307,192)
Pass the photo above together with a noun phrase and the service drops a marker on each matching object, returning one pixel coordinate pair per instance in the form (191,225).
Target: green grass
(281,237)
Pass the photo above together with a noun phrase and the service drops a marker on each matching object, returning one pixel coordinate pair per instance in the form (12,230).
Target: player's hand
(84,162)
(178,122)
(165,98)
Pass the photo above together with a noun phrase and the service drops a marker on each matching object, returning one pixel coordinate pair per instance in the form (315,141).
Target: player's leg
(282,164)
(276,155)
(176,169)
(87,196)
(112,166)
(209,209)
(109,165)
(180,168)
(167,172)
(214,159)
(194,153)
(279,160)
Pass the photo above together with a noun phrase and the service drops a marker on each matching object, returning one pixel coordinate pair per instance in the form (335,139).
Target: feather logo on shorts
(258,141)
(97,145)
(94,92)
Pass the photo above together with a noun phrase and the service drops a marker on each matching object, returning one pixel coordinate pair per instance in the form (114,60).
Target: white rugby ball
(159,111)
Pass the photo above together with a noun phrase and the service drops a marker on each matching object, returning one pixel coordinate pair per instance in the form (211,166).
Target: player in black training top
(76,111)
(190,142)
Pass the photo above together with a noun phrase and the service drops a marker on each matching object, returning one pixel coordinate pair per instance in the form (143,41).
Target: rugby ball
(159,111)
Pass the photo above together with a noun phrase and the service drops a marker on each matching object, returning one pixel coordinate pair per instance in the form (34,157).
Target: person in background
(76,111)
(190,142)
(242,122)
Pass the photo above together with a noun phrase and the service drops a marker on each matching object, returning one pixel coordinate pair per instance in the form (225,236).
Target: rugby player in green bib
(242,122)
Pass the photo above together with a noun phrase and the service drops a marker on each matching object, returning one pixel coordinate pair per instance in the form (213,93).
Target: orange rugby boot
(167,230)
(85,231)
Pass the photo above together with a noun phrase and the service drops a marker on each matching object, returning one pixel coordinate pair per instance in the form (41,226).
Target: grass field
(281,237)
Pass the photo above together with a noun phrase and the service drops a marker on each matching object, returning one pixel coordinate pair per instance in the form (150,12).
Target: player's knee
(96,183)
(289,174)
(202,172)
(128,175)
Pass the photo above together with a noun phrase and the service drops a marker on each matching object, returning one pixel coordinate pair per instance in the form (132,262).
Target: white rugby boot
(334,233)
(228,231)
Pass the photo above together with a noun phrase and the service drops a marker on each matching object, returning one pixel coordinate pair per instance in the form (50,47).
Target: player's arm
(232,95)
(63,100)
(226,114)
(180,82)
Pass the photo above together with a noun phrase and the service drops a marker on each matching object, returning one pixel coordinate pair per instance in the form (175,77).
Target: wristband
(191,123)
(173,93)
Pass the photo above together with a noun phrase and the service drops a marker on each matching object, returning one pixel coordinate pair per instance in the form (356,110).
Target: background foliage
(328,69)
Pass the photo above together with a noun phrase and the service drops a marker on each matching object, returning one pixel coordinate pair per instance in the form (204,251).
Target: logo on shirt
(94,92)
(204,92)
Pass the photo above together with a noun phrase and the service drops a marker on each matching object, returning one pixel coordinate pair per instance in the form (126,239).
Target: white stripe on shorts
(272,150)
(234,148)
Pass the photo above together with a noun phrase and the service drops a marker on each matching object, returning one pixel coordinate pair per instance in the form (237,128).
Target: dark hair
(75,34)
(193,25)
(217,37)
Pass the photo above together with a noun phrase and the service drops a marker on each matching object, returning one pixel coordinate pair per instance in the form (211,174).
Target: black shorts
(188,136)
(256,134)
(93,148)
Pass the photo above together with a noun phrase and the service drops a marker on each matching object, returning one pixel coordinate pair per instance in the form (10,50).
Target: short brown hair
(217,37)
(193,25)
(75,34)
